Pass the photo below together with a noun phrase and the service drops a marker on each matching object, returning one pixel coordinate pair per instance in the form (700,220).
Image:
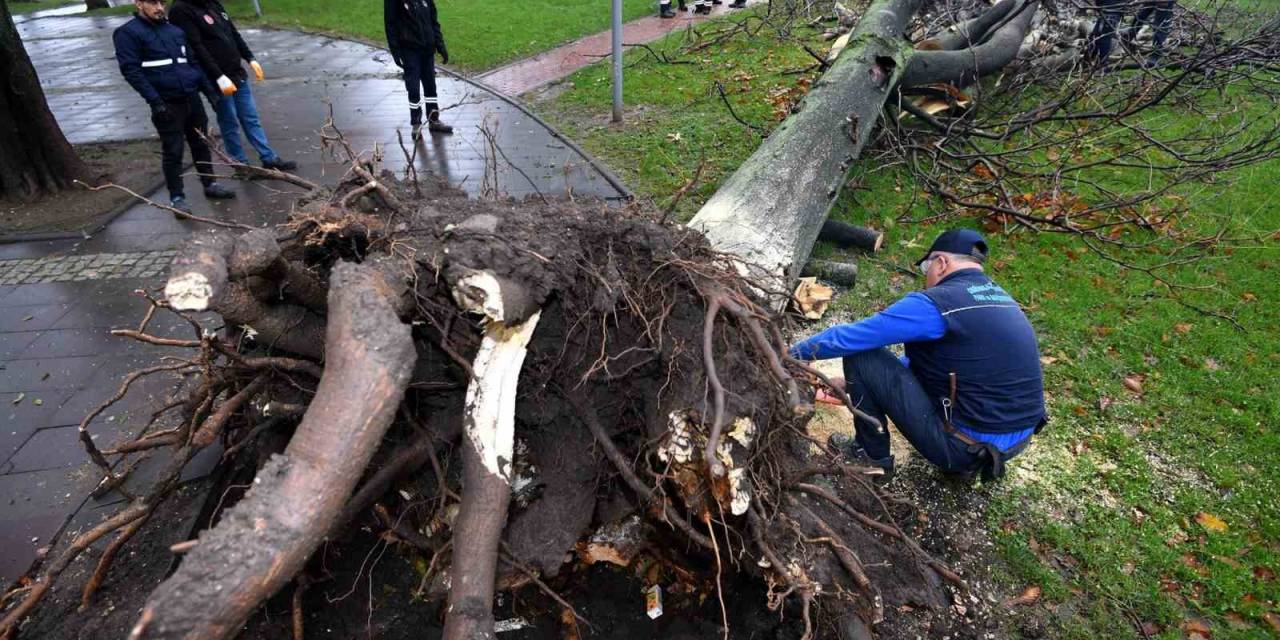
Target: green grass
(481,34)
(1102,510)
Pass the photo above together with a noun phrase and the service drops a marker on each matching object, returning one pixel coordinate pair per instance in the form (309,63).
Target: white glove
(226,86)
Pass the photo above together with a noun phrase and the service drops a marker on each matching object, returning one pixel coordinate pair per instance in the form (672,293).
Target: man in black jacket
(218,47)
(153,57)
(414,37)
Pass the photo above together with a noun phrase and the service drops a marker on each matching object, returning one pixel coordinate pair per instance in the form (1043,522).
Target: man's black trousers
(879,384)
(183,121)
(420,81)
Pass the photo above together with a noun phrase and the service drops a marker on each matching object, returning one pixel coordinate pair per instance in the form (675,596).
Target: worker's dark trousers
(1157,13)
(879,384)
(185,122)
(420,81)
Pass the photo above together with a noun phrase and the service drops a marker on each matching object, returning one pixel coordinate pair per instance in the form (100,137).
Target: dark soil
(134,164)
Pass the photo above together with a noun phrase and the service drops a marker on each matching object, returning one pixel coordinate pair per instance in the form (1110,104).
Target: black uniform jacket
(213,38)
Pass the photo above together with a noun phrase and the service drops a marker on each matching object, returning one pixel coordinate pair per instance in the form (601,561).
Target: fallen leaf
(19,398)
(1237,621)
(1182,328)
(1249,297)
(1030,595)
(1151,629)
(1133,382)
(1047,360)
(1211,522)
(1265,574)
(1196,628)
(27,319)
(1211,364)
(1273,620)
(1103,403)
(38,402)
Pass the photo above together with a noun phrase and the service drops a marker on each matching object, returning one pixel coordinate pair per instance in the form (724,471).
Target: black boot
(738,4)
(664,10)
(435,126)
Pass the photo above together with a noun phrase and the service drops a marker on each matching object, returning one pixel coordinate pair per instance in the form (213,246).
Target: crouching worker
(969,393)
(154,59)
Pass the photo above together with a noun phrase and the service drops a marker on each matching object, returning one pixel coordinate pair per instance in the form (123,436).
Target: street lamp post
(617,61)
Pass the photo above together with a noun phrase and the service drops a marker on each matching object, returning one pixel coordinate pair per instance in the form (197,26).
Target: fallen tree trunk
(771,210)
(264,540)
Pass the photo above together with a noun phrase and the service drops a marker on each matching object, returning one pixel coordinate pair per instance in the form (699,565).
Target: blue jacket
(153,58)
(918,322)
(990,349)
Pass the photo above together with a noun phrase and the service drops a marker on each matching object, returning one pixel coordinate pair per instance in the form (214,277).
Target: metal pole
(617,61)
(257,8)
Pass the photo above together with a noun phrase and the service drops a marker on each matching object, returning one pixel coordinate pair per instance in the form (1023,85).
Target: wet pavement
(60,298)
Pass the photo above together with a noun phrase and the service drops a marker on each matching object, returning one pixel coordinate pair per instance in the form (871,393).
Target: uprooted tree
(558,376)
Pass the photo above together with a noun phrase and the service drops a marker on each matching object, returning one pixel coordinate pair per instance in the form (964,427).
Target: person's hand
(257,70)
(226,86)
(444,54)
(159,112)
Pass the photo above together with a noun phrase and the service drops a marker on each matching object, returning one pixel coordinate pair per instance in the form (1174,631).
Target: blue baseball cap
(965,242)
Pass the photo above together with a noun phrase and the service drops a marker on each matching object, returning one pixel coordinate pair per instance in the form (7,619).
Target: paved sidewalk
(59,299)
(523,76)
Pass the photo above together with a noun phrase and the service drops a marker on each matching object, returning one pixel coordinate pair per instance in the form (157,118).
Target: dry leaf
(1047,360)
(1265,574)
(1029,596)
(1196,628)
(1273,620)
(1237,621)
(1210,521)
(1249,297)
(1211,364)
(1151,629)
(19,398)
(1182,328)
(1103,403)
(1133,383)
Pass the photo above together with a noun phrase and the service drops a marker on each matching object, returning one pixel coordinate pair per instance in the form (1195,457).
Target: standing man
(969,394)
(153,57)
(414,37)
(218,47)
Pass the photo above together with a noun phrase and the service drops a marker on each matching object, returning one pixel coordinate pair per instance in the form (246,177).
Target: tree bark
(35,157)
(262,542)
(770,211)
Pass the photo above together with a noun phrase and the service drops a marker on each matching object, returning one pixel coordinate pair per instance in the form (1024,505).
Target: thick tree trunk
(35,158)
(262,542)
(771,209)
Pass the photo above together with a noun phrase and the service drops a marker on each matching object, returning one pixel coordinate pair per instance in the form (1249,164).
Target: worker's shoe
(855,454)
(738,4)
(417,131)
(180,203)
(435,126)
(704,9)
(666,12)
(717,2)
(215,191)
(279,164)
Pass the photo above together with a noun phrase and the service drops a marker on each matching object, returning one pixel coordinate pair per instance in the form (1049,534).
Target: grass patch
(481,34)
(1131,509)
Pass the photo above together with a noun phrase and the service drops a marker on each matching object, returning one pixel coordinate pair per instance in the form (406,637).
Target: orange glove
(226,86)
(257,70)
